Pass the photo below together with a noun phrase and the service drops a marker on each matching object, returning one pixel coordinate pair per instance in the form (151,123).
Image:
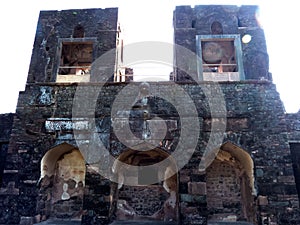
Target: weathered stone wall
(293,130)
(189,22)
(255,122)
(293,126)
(50,115)
(6,122)
(100,24)
(223,190)
(145,200)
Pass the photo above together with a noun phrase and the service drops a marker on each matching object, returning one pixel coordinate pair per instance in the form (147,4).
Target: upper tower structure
(67,42)
(228,40)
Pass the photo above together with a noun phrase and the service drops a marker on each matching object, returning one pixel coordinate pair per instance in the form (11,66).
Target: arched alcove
(230,185)
(78,31)
(146,193)
(216,28)
(62,182)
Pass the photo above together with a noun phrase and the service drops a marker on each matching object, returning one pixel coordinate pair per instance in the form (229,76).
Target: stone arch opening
(61,185)
(216,28)
(230,185)
(144,194)
(78,31)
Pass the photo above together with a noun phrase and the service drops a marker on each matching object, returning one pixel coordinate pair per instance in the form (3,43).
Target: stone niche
(61,186)
(146,193)
(230,185)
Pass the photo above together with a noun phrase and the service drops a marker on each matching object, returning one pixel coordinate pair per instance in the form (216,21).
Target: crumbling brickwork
(6,121)
(67,158)
(263,136)
(55,27)
(189,22)
(293,129)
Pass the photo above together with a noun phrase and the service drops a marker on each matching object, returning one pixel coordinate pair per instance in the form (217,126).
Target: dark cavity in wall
(295,154)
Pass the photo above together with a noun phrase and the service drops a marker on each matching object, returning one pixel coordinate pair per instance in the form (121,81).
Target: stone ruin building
(231,155)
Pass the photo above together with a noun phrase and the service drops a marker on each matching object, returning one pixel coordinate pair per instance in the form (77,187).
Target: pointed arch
(52,155)
(230,185)
(244,158)
(78,31)
(157,188)
(62,183)
(216,28)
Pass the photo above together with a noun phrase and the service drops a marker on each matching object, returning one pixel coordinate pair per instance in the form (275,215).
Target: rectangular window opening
(75,60)
(220,58)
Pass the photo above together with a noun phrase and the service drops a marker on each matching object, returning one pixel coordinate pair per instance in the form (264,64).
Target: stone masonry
(67,162)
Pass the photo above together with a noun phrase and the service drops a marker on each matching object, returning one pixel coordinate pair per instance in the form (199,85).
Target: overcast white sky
(145,21)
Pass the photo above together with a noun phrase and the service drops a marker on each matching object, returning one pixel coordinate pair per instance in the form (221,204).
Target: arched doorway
(61,185)
(230,185)
(143,193)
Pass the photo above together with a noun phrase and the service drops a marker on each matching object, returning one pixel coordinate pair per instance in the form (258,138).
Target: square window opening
(219,58)
(76,58)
